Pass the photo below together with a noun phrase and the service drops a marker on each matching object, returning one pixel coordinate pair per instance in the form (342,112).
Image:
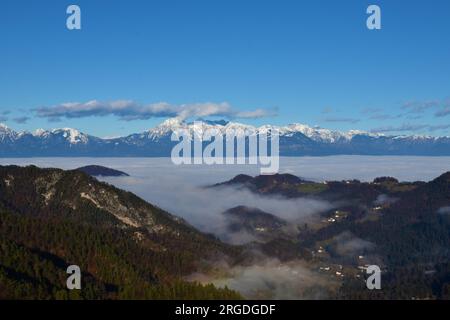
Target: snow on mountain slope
(295,139)
(72,136)
(316,134)
(6,134)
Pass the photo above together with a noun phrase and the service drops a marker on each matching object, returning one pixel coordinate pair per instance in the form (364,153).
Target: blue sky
(257,62)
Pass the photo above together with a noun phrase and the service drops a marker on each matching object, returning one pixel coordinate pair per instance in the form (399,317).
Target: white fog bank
(179,189)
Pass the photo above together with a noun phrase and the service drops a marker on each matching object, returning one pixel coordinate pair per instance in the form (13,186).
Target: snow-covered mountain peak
(300,127)
(72,135)
(5,128)
(165,128)
(295,139)
(7,134)
(196,127)
(171,123)
(314,133)
(40,132)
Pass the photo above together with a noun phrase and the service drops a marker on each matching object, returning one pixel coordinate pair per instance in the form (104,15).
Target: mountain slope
(125,247)
(96,171)
(295,140)
(403,227)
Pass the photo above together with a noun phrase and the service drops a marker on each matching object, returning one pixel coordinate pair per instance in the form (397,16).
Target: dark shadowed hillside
(128,248)
(404,227)
(125,247)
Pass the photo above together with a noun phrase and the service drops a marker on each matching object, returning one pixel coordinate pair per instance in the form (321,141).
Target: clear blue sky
(312,62)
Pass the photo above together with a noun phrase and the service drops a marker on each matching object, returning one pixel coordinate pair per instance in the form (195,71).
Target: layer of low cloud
(379,114)
(444,210)
(445,111)
(383,199)
(271,279)
(327,110)
(21,120)
(402,128)
(204,207)
(341,119)
(178,189)
(181,191)
(364,168)
(369,110)
(348,245)
(441,107)
(129,110)
(411,111)
(383,116)
(420,106)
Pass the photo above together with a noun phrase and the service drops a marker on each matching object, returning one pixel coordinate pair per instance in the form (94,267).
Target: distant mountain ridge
(295,140)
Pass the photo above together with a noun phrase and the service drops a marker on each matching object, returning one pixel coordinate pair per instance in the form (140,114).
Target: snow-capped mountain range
(295,140)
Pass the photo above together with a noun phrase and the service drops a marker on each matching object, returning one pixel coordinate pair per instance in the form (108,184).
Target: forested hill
(403,227)
(101,171)
(125,247)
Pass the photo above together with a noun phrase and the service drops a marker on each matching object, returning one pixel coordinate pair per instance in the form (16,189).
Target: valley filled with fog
(186,191)
(181,189)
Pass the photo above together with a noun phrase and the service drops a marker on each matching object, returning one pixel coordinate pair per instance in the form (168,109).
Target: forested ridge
(129,249)
(50,219)
(404,227)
